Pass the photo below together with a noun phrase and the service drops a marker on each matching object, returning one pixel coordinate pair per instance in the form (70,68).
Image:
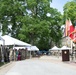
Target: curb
(5,65)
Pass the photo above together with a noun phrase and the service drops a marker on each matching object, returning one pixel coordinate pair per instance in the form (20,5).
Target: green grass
(1,64)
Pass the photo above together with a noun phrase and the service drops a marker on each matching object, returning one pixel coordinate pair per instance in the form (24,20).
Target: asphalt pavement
(42,66)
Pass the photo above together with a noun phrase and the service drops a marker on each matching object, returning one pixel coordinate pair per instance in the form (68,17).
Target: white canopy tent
(54,48)
(59,49)
(12,41)
(65,48)
(62,48)
(29,48)
(19,48)
(2,41)
(8,41)
(32,48)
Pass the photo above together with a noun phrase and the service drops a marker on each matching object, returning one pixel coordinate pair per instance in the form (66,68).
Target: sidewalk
(5,68)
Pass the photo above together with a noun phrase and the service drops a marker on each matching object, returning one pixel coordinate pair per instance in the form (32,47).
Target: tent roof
(54,48)
(12,41)
(65,48)
(1,38)
(2,41)
(32,48)
(19,48)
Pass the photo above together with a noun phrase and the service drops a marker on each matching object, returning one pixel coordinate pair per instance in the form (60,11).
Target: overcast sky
(58,4)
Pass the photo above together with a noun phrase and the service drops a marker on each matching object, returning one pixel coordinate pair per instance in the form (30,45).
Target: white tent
(65,48)
(1,38)
(32,48)
(12,41)
(2,41)
(55,48)
(8,41)
(29,48)
(19,48)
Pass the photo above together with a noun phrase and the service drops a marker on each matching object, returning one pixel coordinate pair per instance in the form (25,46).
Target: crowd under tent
(31,49)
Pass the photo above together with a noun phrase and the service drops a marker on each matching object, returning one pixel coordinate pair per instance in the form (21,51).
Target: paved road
(40,67)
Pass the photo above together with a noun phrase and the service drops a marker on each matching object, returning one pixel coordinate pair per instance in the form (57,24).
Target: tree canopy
(28,20)
(70,11)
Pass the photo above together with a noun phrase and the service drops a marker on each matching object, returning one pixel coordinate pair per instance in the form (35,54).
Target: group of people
(16,55)
(4,54)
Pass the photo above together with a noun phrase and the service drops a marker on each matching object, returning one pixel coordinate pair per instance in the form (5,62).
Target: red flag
(74,38)
(71,29)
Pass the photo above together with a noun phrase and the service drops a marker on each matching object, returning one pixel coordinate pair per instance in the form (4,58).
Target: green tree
(39,27)
(70,11)
(11,12)
(28,21)
(74,0)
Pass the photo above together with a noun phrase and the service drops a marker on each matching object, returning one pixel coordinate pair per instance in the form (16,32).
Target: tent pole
(14,52)
(2,53)
(2,50)
(30,54)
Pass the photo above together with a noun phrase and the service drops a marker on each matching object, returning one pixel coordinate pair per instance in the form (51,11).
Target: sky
(58,4)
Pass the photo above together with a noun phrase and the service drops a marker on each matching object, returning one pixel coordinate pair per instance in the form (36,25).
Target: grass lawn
(3,63)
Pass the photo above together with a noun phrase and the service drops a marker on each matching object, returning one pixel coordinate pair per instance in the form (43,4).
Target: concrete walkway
(5,68)
(46,65)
